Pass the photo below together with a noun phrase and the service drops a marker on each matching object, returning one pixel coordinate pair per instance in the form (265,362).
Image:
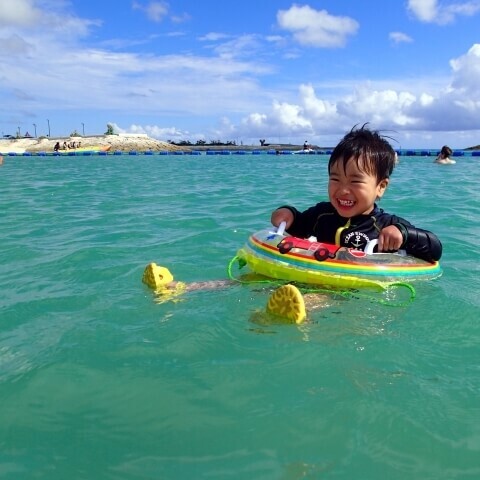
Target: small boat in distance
(304,151)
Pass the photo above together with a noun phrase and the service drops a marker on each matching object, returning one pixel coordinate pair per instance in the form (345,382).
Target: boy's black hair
(378,156)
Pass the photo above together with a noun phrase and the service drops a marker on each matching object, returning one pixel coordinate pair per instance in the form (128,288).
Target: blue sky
(243,71)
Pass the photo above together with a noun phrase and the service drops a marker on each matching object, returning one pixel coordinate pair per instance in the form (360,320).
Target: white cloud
(430,11)
(314,107)
(426,99)
(291,116)
(213,37)
(466,70)
(184,17)
(15,45)
(399,37)
(243,45)
(316,28)
(455,107)
(156,11)
(170,133)
(47,19)
(21,13)
(424,10)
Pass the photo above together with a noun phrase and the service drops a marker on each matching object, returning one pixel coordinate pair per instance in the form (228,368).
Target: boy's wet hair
(378,156)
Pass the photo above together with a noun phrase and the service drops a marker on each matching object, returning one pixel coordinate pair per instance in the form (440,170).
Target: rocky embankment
(123,143)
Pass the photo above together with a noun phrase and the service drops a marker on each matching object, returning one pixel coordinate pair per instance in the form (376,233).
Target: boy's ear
(381,187)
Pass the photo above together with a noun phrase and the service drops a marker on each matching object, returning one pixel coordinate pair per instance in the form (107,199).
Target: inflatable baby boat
(275,255)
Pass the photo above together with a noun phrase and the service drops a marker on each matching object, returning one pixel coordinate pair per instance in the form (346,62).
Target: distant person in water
(444,157)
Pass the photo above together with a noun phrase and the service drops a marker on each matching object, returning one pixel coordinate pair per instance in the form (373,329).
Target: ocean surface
(101,379)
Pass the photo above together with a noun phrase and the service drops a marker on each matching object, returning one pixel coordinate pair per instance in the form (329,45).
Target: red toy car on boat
(321,251)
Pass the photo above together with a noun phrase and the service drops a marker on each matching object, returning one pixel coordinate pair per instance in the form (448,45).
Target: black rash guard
(323,222)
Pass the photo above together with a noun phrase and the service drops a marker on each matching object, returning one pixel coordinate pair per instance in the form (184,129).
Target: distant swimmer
(444,157)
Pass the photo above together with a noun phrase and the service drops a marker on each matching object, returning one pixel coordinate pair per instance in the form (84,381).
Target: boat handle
(370,246)
(373,243)
(281,228)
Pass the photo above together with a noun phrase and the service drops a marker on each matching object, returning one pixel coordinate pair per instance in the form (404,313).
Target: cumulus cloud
(21,13)
(455,107)
(424,10)
(316,28)
(466,70)
(315,116)
(430,11)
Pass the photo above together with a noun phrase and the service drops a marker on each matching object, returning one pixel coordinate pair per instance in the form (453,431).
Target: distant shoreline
(123,143)
(142,143)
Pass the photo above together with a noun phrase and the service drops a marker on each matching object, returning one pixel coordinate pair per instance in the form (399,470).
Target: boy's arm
(420,243)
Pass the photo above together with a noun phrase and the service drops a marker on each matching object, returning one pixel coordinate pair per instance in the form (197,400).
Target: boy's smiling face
(353,191)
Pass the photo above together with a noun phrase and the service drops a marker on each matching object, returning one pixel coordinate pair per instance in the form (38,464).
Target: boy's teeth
(346,203)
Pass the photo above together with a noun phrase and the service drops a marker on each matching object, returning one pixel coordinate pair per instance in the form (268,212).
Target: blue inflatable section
(223,152)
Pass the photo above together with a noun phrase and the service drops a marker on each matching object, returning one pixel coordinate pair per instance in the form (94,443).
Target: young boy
(359,171)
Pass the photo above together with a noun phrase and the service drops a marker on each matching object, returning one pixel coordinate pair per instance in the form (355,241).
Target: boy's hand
(282,215)
(390,239)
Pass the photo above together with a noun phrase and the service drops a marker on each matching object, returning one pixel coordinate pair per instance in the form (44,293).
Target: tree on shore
(109,129)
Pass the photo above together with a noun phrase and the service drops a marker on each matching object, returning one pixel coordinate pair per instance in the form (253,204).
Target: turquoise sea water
(100,381)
